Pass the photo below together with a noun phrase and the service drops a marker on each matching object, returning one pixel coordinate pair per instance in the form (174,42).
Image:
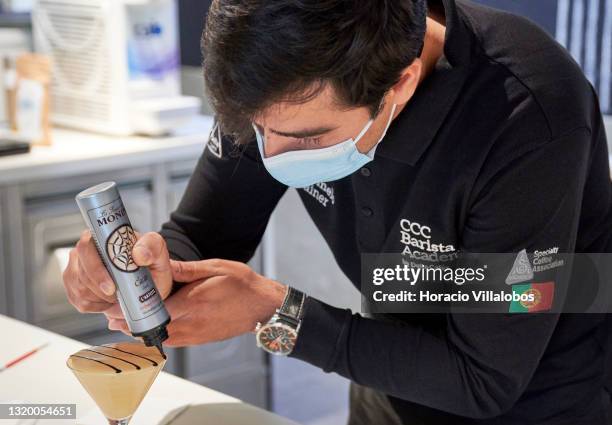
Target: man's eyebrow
(311,132)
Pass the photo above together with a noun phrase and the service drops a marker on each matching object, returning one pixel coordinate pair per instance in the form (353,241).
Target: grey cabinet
(176,189)
(179,173)
(3,257)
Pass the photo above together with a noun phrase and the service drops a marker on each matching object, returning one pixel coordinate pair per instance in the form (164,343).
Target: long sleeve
(472,365)
(226,206)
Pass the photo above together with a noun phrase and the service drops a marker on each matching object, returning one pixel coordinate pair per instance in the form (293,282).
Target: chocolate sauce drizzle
(117,370)
(115,357)
(98,361)
(153,362)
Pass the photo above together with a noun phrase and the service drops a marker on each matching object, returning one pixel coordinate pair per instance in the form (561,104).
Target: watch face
(277,338)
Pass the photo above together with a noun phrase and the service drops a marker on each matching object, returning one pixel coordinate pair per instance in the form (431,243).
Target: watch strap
(293,304)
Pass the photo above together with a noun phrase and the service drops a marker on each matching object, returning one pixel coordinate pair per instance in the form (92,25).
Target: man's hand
(90,288)
(220,299)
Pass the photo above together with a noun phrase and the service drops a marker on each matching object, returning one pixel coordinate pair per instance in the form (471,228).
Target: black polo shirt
(502,148)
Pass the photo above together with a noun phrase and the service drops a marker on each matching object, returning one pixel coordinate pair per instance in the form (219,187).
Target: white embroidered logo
(547,259)
(214,141)
(521,269)
(419,244)
(323,193)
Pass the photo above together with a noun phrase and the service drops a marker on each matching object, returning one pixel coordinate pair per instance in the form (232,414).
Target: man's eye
(309,141)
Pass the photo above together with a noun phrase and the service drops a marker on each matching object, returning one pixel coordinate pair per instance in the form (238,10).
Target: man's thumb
(150,251)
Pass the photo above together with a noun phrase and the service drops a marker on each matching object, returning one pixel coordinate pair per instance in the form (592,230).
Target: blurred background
(122,98)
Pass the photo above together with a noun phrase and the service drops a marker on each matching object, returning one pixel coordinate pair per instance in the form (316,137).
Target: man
(444,125)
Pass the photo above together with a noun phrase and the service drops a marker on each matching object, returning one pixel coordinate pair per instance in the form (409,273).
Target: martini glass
(117,376)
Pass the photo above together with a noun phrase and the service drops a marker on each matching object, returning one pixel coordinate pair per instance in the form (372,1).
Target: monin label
(142,306)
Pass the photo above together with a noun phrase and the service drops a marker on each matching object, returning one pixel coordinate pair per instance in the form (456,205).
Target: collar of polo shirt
(416,126)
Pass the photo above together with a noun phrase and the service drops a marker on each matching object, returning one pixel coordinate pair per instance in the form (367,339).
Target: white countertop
(76,152)
(45,378)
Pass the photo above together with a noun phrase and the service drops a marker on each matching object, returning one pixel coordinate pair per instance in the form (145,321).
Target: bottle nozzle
(155,337)
(160,348)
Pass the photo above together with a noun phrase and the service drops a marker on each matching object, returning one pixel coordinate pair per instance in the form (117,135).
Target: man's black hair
(260,52)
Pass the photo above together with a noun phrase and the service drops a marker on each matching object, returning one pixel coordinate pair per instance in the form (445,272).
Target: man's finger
(101,291)
(114,312)
(83,292)
(90,261)
(118,325)
(150,251)
(83,305)
(189,271)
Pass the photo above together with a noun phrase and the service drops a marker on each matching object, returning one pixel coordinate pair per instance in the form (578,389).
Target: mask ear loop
(363,131)
(260,141)
(371,152)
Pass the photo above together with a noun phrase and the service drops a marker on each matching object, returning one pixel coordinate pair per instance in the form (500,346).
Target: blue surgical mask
(306,167)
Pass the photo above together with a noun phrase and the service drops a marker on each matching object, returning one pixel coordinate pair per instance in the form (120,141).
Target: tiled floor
(300,391)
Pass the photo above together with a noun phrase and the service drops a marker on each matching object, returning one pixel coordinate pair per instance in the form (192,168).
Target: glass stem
(124,421)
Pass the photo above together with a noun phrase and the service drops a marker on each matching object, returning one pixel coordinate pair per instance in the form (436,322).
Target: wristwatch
(279,334)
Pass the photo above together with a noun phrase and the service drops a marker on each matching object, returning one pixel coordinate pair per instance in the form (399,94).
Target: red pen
(22,357)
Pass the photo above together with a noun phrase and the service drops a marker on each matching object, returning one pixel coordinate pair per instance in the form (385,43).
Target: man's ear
(408,82)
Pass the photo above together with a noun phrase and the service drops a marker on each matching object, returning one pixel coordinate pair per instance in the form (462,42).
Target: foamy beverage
(117,376)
